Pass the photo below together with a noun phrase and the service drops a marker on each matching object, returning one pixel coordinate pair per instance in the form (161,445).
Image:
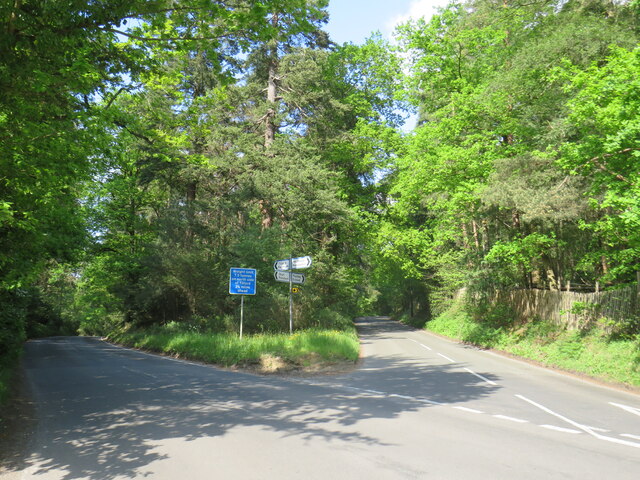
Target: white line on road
(430,402)
(511,419)
(596,429)
(560,429)
(447,358)
(404,397)
(375,392)
(421,344)
(577,425)
(635,411)
(138,372)
(490,382)
(466,409)
(628,435)
(415,399)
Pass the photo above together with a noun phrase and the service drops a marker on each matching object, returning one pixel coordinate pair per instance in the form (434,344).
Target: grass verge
(298,350)
(590,352)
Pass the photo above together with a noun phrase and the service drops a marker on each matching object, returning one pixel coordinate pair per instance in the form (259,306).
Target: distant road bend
(419,407)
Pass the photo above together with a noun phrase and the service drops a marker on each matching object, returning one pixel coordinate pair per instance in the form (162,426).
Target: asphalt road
(418,407)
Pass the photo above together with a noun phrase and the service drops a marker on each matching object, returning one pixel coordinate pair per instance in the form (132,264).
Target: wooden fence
(573,309)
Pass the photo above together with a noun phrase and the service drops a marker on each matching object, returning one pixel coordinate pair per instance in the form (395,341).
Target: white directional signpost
(293,263)
(287,277)
(242,281)
(282,273)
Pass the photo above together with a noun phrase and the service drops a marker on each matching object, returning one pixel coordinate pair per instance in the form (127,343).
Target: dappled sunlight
(110,410)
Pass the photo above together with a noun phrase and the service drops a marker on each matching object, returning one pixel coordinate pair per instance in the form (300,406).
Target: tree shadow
(103,410)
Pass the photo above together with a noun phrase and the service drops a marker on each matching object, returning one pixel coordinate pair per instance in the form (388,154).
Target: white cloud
(417,9)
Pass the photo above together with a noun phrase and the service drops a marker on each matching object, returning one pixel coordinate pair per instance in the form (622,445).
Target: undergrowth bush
(594,351)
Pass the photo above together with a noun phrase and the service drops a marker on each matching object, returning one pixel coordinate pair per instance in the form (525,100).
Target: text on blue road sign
(242,281)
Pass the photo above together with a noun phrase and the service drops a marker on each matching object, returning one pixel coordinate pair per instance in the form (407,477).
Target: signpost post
(290,296)
(282,273)
(242,281)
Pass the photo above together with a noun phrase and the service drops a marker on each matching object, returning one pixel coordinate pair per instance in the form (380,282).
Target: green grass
(228,349)
(593,352)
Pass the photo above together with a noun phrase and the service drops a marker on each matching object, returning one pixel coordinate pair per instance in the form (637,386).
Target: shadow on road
(398,373)
(104,410)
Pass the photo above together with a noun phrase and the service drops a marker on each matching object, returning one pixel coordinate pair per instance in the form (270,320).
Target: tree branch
(162,39)
(135,134)
(115,95)
(603,166)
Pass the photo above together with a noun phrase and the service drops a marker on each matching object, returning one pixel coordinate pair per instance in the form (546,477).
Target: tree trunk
(270,126)
(476,239)
(515,217)
(485,236)
(465,236)
(272,89)
(604,265)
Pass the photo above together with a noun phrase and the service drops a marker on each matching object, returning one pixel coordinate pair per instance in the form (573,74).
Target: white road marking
(560,429)
(635,411)
(447,358)
(577,425)
(470,410)
(375,392)
(430,402)
(421,344)
(511,419)
(490,382)
(350,389)
(404,397)
(138,372)
(596,429)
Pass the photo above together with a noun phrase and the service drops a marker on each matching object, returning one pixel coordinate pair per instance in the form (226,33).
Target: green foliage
(605,113)
(12,324)
(520,173)
(187,185)
(141,162)
(594,351)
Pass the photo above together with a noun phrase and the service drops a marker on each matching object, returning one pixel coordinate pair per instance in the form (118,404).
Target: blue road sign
(242,281)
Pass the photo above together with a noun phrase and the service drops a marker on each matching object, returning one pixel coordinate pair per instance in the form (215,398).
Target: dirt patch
(307,366)
(272,364)
(17,425)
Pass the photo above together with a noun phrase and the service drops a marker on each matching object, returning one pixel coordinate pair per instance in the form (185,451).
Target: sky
(355,20)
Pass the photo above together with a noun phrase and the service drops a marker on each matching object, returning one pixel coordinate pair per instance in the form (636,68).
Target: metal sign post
(241,314)
(290,297)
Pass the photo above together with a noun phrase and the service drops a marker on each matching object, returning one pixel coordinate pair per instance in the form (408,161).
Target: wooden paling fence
(572,309)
